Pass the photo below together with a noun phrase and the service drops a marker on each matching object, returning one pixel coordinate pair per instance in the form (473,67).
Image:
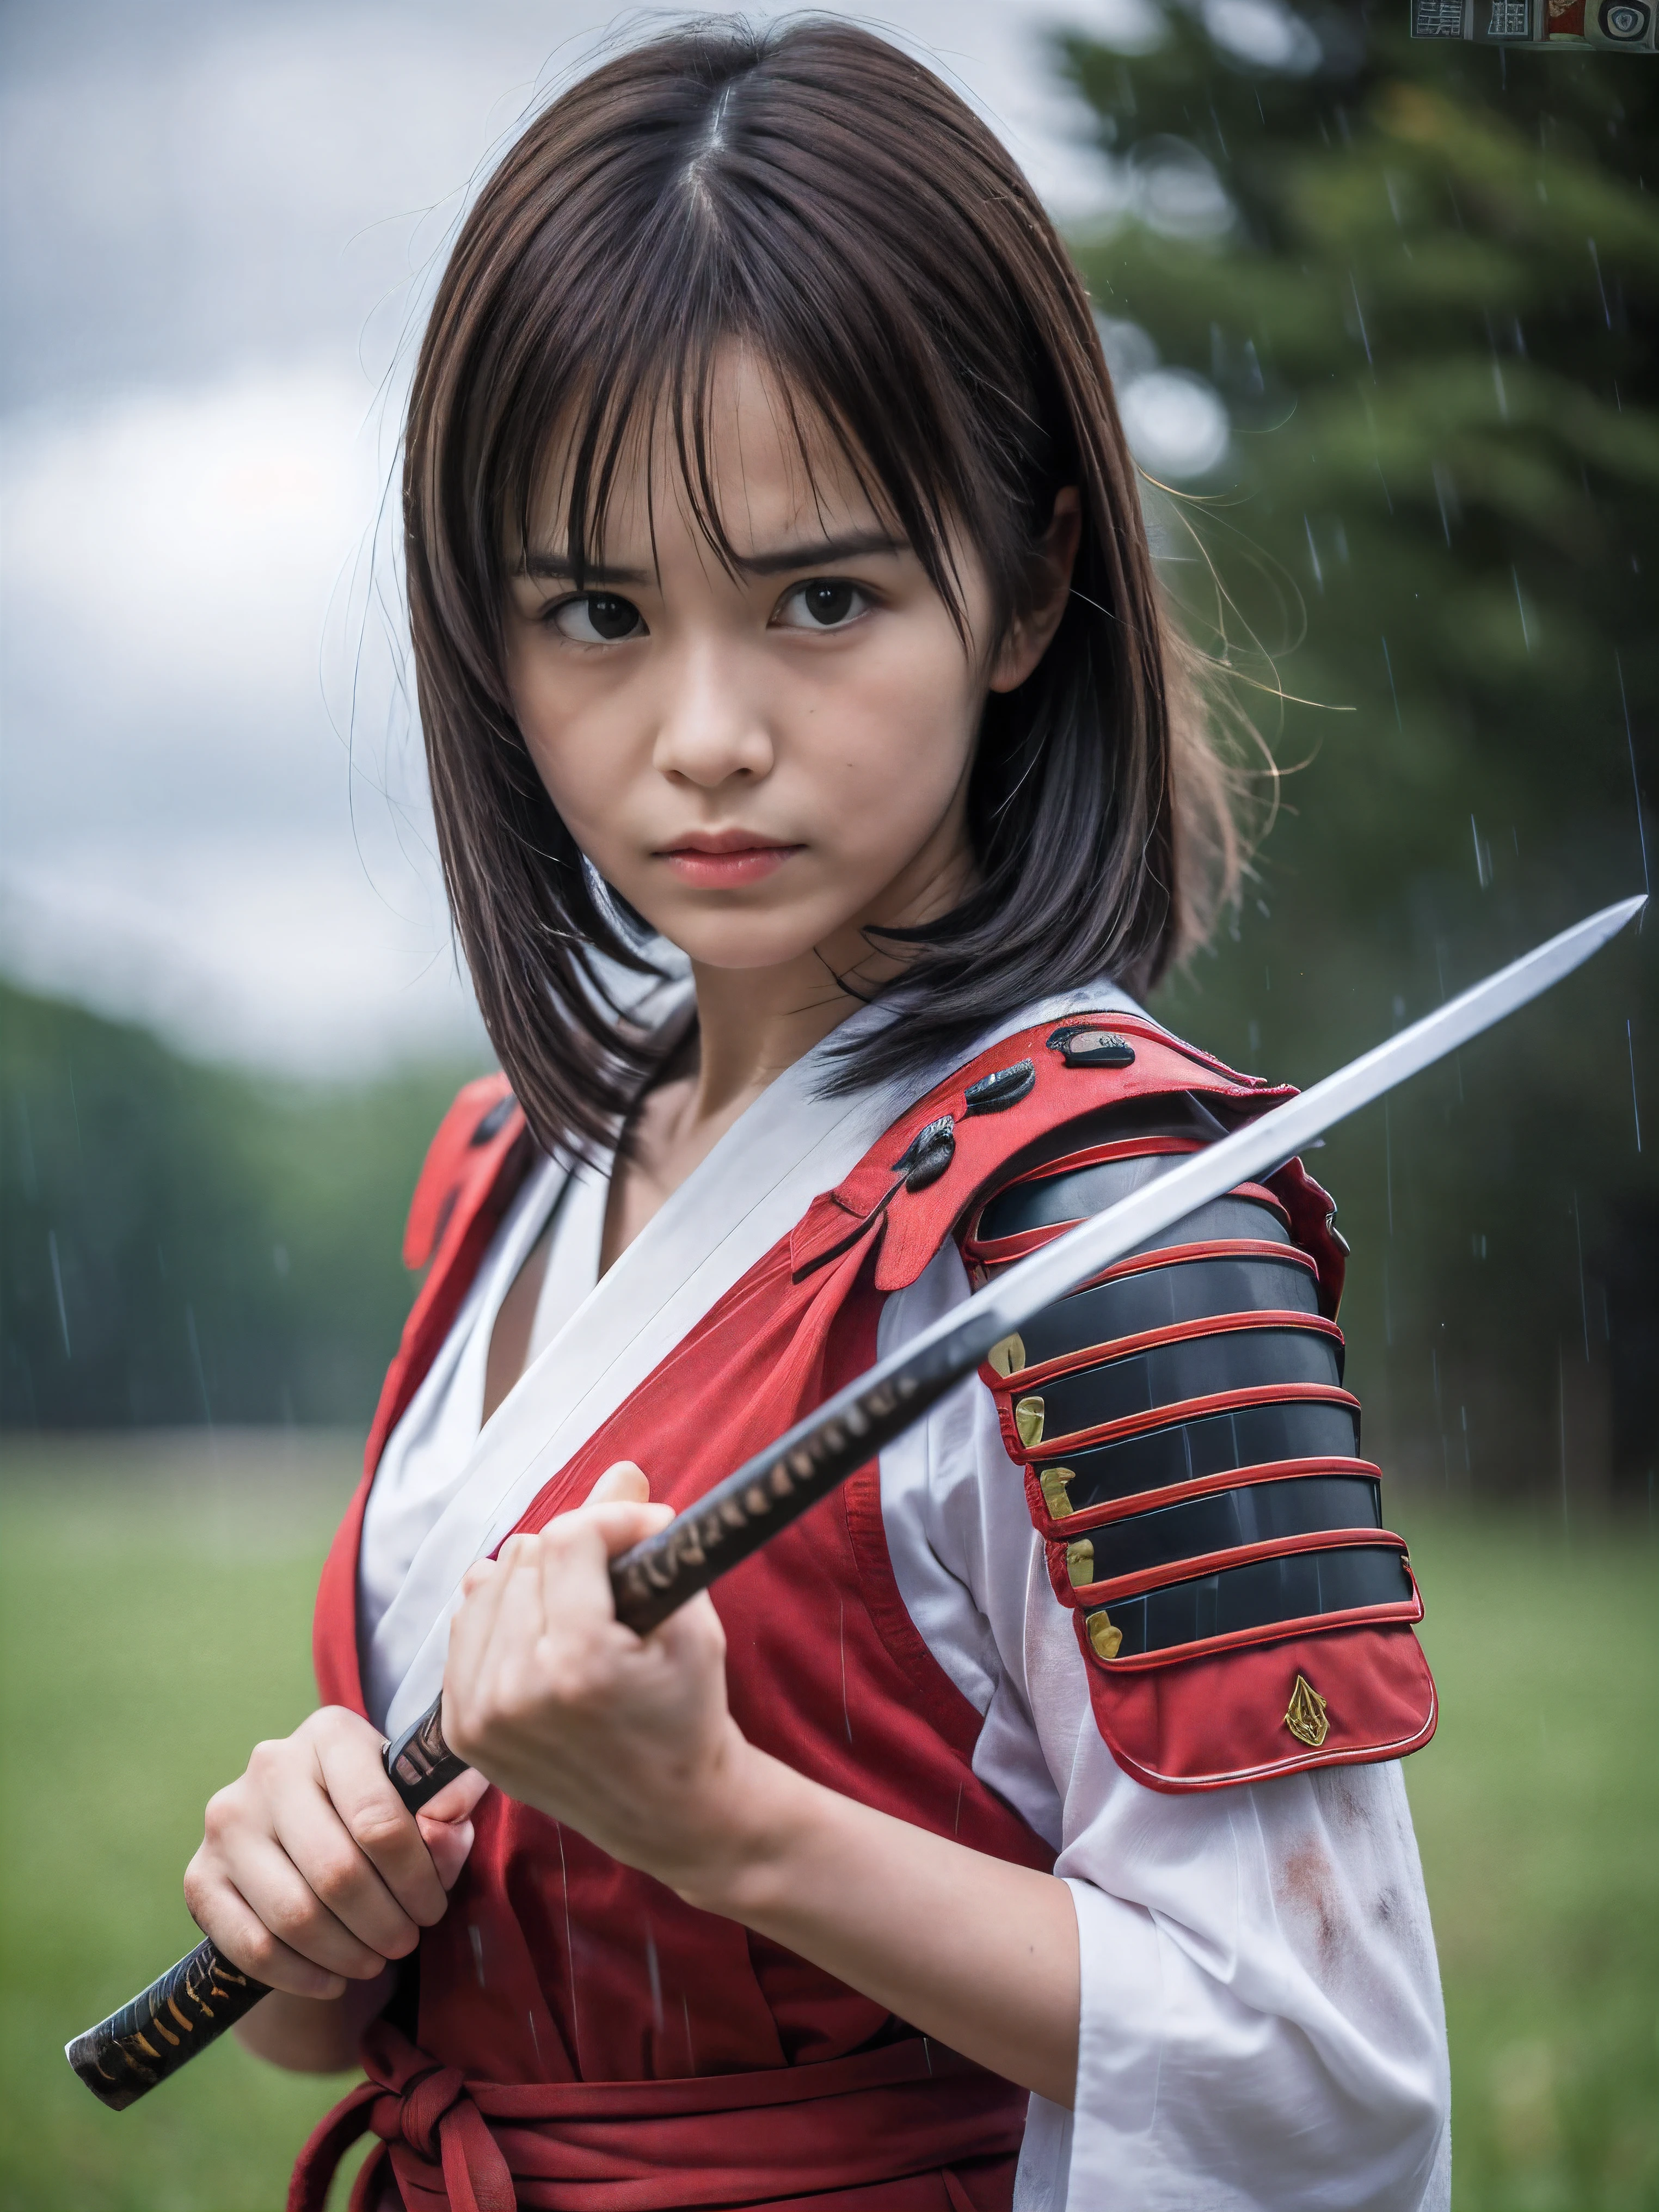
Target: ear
(1032,634)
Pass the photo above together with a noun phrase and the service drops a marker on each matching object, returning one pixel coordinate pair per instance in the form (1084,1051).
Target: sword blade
(771,1488)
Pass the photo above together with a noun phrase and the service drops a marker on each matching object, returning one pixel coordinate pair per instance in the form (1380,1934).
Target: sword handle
(182,2011)
(124,2056)
(191,2005)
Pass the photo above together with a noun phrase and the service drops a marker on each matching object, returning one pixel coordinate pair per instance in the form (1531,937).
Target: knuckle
(377,1826)
(220,1816)
(264,1760)
(293,1918)
(332,1875)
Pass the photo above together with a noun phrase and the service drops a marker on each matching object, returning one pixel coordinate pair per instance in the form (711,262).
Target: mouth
(723,860)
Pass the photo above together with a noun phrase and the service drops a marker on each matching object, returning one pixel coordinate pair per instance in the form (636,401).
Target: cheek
(893,746)
(572,732)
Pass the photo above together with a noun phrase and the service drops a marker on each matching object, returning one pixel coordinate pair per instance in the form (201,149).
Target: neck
(755,1023)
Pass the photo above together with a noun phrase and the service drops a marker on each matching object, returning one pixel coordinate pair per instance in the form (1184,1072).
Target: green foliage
(181,1243)
(1433,316)
(156,1598)
(1535,1813)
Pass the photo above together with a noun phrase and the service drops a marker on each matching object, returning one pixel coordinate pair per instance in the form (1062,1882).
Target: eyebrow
(810,553)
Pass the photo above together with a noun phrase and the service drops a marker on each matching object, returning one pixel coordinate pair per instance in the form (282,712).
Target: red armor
(572,2011)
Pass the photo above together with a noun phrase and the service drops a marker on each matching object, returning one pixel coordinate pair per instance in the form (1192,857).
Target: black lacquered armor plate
(1255,1513)
(1159,1298)
(1260,1595)
(1252,1435)
(1088,1191)
(1192,1367)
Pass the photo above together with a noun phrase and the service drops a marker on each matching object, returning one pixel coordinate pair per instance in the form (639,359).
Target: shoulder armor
(1192,1465)
(468,1143)
(474,1164)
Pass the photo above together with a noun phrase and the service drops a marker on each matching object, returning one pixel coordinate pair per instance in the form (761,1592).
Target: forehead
(755,461)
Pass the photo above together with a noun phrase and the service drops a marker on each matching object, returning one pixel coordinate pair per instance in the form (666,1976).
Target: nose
(712,728)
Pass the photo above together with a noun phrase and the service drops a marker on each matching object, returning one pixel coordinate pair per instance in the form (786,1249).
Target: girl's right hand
(312,1873)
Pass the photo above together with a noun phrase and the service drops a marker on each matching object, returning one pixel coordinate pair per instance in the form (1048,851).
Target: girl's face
(761,763)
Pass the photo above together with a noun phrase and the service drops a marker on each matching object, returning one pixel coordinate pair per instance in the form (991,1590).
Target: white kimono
(1262,2023)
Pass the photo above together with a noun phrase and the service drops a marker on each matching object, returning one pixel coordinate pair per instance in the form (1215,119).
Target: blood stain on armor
(1306,1717)
(1104,1636)
(1028,1421)
(1009,1356)
(1080,1562)
(993,1093)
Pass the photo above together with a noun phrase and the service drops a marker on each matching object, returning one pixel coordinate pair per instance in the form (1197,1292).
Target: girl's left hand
(629,1740)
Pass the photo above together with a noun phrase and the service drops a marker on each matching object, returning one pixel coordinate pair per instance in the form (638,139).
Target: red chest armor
(558,1970)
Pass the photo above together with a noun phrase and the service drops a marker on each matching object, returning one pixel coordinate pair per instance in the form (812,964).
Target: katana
(188,2007)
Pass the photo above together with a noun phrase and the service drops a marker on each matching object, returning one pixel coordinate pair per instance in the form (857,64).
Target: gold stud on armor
(1028,1421)
(1105,1640)
(1080,1562)
(1008,1356)
(1056,1495)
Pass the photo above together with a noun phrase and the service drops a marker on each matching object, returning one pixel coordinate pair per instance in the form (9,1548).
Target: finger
(623,1526)
(340,1881)
(450,1843)
(390,1864)
(624,1481)
(477,1576)
(456,1800)
(691,1631)
(289,1909)
(474,1620)
(243,1937)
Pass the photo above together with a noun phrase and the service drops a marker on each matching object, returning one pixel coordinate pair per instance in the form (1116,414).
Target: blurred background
(1382,317)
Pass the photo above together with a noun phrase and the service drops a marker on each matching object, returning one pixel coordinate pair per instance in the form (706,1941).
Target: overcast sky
(219,223)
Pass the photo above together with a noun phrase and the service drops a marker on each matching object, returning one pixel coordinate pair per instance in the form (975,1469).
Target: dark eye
(598,618)
(824,603)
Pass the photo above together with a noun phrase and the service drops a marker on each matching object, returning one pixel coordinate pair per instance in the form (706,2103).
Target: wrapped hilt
(124,2058)
(189,2007)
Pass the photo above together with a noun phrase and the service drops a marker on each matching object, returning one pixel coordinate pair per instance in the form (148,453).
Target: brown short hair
(818,196)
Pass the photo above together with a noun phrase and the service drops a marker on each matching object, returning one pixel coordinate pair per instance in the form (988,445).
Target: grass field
(156,1603)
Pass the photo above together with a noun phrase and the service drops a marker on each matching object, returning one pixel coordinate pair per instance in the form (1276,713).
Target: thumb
(622,1484)
(449,1843)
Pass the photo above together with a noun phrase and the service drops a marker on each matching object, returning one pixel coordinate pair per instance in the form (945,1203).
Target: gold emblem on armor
(1080,1562)
(1306,1718)
(1056,1495)
(1028,1421)
(1008,1356)
(1104,1638)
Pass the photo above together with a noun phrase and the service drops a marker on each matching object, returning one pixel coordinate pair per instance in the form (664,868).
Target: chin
(740,942)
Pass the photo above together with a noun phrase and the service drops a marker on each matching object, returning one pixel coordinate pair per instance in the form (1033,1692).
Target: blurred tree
(181,1243)
(1425,279)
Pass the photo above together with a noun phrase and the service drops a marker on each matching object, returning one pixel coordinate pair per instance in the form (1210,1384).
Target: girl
(780,593)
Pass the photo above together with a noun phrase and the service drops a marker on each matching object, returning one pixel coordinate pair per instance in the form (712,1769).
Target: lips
(725,859)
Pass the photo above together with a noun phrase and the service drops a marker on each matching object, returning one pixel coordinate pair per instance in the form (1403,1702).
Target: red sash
(905,2127)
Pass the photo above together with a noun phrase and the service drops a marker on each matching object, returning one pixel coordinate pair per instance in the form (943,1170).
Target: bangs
(664,264)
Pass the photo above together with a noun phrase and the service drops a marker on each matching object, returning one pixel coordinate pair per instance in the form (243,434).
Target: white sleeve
(1261,2022)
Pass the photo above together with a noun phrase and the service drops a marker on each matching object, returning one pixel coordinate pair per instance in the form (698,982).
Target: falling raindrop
(1526,634)
(1630,1043)
(1635,780)
(1583,1303)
